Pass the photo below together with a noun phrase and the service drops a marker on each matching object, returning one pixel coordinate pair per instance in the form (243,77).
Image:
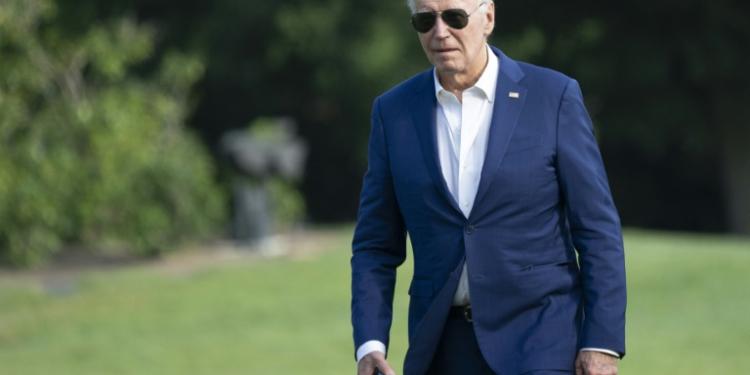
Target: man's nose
(441,29)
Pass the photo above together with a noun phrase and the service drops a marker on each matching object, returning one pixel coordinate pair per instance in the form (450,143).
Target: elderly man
(492,168)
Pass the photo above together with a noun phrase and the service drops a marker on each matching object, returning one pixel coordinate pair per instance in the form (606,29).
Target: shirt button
(469,229)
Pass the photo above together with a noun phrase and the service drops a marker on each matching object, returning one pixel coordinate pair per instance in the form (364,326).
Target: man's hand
(373,362)
(595,363)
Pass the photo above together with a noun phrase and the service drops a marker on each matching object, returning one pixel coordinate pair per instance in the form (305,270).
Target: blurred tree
(320,62)
(350,52)
(667,84)
(91,153)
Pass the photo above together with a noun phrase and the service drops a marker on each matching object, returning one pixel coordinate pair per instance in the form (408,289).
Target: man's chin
(447,68)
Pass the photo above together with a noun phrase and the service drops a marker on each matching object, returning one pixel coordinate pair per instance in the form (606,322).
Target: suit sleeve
(594,225)
(379,244)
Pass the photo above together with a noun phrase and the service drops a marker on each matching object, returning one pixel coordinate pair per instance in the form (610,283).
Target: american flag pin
(513,95)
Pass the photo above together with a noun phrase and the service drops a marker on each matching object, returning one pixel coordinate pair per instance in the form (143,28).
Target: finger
(365,370)
(366,367)
(385,368)
(579,367)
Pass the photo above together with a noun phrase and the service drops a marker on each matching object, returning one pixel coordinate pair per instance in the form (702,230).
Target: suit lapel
(505,116)
(424,115)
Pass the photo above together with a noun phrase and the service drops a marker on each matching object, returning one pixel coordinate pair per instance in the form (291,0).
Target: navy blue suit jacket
(543,242)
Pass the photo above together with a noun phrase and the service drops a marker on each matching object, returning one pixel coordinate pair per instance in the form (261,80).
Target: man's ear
(490,14)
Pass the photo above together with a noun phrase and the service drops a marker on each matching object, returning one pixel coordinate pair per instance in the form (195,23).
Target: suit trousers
(458,352)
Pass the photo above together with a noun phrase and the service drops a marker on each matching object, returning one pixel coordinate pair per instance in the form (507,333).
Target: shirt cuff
(605,351)
(369,347)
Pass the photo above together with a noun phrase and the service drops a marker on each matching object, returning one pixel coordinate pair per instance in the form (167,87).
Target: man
(492,168)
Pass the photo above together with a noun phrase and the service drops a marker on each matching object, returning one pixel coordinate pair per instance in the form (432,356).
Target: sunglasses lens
(423,22)
(455,18)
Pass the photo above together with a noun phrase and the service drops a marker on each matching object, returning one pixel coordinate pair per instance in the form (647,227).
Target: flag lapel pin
(513,95)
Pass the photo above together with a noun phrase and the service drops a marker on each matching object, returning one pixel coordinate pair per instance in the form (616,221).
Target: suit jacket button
(469,229)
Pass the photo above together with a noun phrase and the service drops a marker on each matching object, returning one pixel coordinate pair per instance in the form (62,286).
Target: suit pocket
(541,267)
(524,143)
(547,278)
(420,288)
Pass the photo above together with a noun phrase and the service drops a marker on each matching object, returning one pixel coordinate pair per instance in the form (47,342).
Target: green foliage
(321,62)
(288,205)
(337,56)
(663,82)
(92,153)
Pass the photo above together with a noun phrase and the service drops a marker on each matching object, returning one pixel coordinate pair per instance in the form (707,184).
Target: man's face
(454,51)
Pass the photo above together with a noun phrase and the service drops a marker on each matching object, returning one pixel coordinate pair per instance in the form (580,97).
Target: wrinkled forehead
(440,5)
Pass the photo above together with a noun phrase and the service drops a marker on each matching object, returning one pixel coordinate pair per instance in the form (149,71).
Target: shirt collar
(487,81)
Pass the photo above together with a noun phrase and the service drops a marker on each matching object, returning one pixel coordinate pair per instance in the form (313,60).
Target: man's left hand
(595,363)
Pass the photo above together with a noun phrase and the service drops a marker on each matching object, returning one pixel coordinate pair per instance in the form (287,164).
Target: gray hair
(413,4)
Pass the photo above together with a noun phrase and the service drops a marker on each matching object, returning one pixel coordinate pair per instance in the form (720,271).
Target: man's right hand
(373,362)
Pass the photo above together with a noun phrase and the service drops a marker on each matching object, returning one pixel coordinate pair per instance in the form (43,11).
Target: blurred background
(119,120)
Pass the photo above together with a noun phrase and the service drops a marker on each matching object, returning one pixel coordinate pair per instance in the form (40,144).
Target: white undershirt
(462,135)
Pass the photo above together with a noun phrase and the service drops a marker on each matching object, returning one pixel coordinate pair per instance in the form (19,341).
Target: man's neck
(456,83)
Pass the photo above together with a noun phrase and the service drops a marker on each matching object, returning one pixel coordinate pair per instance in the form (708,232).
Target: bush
(91,153)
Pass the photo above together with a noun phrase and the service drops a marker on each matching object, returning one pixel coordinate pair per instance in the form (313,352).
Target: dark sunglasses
(454,18)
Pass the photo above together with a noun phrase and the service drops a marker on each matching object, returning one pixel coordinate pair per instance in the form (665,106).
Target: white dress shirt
(462,133)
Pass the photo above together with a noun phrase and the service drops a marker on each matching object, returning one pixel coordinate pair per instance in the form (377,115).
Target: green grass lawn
(688,313)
